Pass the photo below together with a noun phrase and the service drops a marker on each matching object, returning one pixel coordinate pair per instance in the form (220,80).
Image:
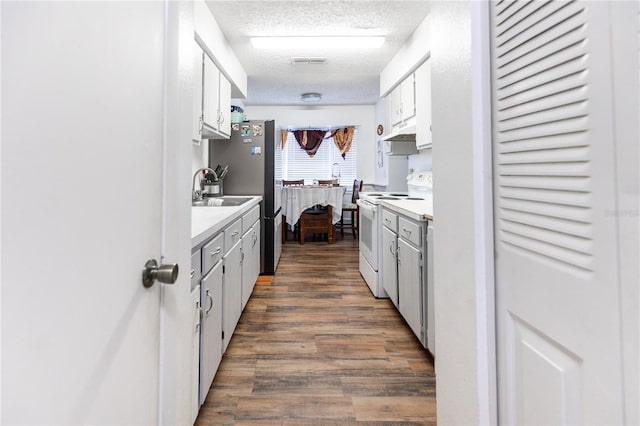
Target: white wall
(215,44)
(413,52)
(199,157)
(362,116)
(463,220)
(423,160)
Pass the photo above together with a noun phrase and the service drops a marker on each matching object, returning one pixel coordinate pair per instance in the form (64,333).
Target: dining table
(297,199)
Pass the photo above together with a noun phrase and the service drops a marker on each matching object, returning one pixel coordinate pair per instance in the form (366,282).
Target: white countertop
(208,221)
(415,209)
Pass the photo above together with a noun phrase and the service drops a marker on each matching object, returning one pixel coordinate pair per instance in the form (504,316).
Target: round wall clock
(380,129)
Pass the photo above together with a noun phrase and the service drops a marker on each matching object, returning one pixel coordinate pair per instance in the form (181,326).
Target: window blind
(296,164)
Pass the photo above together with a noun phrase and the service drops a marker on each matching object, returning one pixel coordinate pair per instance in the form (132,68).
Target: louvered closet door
(556,274)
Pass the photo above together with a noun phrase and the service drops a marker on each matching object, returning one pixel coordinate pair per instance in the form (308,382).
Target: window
(296,163)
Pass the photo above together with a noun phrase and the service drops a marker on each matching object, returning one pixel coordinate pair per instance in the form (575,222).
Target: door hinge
(222,334)
(223,269)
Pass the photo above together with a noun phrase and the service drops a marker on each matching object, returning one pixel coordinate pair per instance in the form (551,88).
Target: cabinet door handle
(241,255)
(193,273)
(217,251)
(391,249)
(405,230)
(235,233)
(211,299)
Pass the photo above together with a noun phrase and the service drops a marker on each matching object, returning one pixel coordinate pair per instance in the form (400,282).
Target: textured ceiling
(349,76)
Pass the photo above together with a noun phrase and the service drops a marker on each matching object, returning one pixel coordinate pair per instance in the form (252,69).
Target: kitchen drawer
(410,231)
(212,252)
(390,220)
(250,218)
(196,269)
(232,234)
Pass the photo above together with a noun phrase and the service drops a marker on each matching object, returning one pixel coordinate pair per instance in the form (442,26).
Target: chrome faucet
(197,194)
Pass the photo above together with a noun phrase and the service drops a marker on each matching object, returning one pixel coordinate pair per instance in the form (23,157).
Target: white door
(82,138)
(558,328)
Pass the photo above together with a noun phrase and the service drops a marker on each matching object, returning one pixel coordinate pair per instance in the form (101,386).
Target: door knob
(167,273)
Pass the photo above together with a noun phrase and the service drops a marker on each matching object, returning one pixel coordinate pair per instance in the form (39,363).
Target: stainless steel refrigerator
(254,156)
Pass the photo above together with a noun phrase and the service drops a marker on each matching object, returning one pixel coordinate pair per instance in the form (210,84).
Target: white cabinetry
(223,261)
(411,275)
(389,259)
(395,106)
(401,102)
(195,352)
(211,96)
(224,122)
(196,127)
(410,286)
(232,281)
(250,252)
(211,328)
(250,261)
(404,270)
(211,99)
(423,106)
(407,98)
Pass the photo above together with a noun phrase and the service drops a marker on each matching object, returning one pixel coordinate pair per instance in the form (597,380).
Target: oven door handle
(366,205)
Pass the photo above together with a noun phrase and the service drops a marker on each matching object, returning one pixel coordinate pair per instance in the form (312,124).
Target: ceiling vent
(308,60)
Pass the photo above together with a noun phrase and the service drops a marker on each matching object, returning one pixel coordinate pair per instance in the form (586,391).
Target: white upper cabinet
(423,106)
(401,103)
(211,99)
(407,98)
(196,128)
(224,120)
(395,106)
(211,96)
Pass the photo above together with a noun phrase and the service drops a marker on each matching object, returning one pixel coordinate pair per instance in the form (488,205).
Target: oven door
(368,232)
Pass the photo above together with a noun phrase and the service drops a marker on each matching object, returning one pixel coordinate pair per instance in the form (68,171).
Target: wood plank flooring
(314,347)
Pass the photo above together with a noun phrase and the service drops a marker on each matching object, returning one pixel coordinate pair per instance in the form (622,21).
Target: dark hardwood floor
(314,347)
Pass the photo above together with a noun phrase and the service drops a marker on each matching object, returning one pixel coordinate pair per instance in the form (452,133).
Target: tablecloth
(296,199)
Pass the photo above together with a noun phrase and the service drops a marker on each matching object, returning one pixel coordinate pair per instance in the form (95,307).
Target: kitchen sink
(220,202)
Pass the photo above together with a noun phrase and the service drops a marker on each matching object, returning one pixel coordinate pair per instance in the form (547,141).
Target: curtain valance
(310,139)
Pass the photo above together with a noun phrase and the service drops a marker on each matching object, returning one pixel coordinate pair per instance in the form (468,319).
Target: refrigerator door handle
(276,215)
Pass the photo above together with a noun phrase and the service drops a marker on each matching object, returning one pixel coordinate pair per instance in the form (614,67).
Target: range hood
(405,134)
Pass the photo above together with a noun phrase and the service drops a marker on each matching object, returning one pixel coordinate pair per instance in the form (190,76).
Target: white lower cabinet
(389,264)
(250,261)
(224,261)
(410,280)
(404,269)
(195,352)
(232,293)
(211,328)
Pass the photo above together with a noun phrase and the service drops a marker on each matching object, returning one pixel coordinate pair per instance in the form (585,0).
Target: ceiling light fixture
(311,97)
(337,42)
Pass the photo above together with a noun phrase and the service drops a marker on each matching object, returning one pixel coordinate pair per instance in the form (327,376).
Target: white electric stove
(416,203)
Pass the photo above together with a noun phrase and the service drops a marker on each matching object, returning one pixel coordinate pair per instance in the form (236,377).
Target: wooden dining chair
(354,209)
(294,182)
